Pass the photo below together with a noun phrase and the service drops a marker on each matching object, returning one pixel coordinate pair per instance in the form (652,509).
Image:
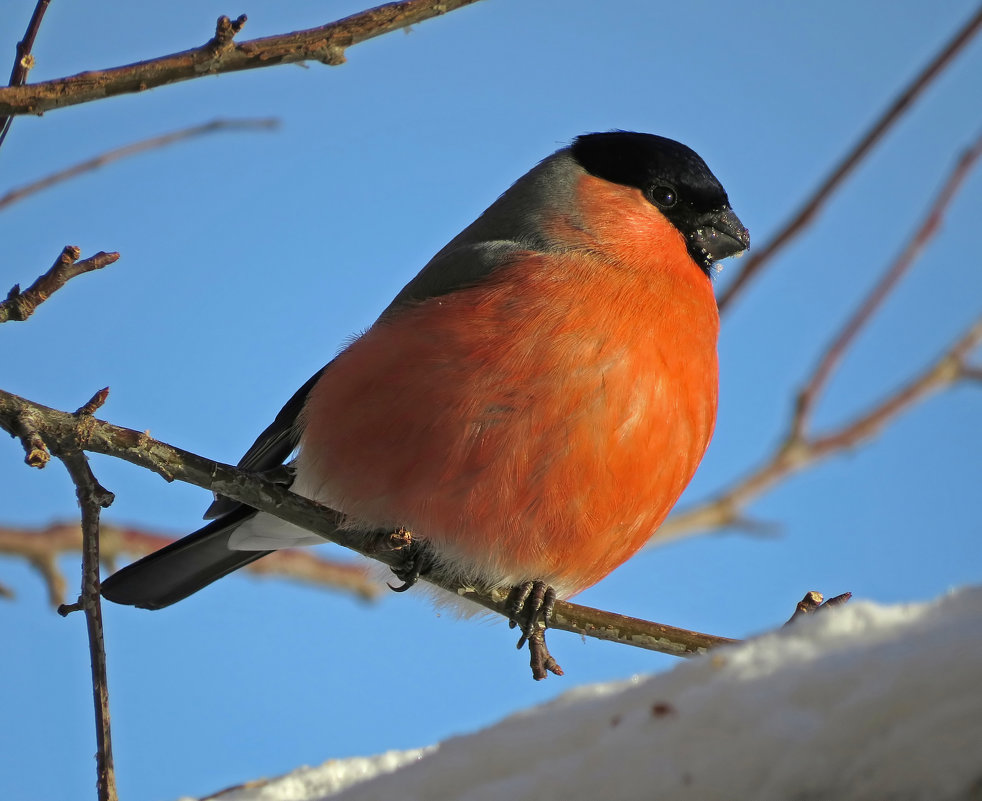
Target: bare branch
(19,193)
(24,59)
(326,44)
(92,497)
(796,453)
(20,305)
(23,62)
(24,427)
(42,546)
(947,370)
(60,429)
(806,214)
(924,233)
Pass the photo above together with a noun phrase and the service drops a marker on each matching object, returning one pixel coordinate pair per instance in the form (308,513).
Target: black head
(676,181)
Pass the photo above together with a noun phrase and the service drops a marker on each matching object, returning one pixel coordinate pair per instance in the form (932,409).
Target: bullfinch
(530,406)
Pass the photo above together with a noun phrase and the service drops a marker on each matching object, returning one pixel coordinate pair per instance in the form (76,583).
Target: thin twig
(97,436)
(20,305)
(758,258)
(326,44)
(91,498)
(24,426)
(815,602)
(947,370)
(796,453)
(24,59)
(42,546)
(925,232)
(153,143)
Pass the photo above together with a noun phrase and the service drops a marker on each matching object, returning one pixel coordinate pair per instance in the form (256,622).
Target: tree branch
(806,214)
(24,60)
(925,232)
(797,452)
(92,497)
(60,430)
(326,44)
(20,305)
(19,193)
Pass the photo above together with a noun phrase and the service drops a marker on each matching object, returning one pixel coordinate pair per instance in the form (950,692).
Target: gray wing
(454,268)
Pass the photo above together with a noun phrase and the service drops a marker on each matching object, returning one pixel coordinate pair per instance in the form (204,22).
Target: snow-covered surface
(866,702)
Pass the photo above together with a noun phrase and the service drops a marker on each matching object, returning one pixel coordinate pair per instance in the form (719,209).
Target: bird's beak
(720,234)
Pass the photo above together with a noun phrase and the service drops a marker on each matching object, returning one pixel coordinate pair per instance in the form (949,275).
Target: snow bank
(866,702)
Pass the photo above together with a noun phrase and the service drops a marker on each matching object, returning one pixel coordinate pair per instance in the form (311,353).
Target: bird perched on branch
(530,406)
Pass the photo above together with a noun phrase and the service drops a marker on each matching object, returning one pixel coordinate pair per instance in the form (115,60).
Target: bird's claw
(540,660)
(418,560)
(529,607)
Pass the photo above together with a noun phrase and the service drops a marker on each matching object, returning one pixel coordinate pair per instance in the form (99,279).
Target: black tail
(183,567)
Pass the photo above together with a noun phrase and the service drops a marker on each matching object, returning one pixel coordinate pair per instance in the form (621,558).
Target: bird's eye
(664,196)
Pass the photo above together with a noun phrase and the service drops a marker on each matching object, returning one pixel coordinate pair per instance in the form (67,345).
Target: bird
(529,407)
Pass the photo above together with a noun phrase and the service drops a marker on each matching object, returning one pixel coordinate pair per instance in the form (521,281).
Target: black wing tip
(182,568)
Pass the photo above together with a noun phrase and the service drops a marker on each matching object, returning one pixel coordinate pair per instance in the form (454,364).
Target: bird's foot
(529,607)
(815,602)
(417,556)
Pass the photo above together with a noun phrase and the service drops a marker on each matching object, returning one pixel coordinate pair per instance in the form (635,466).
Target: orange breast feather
(540,425)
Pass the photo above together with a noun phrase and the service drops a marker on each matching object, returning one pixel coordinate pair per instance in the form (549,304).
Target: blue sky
(248,259)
